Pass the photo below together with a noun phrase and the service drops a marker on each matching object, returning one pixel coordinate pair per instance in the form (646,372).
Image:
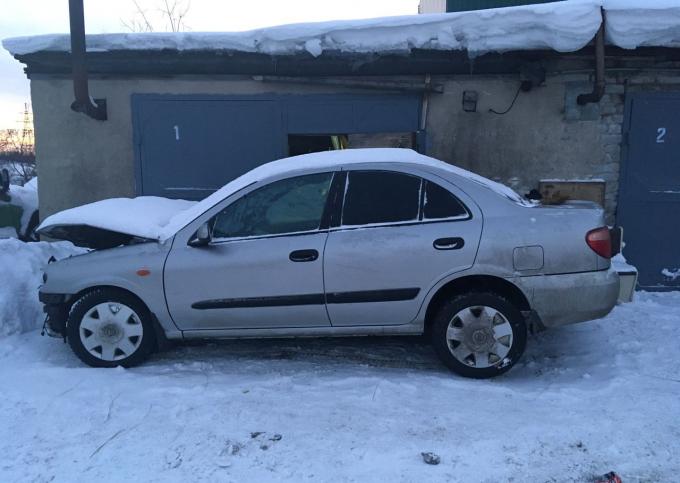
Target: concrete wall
(535,139)
(544,135)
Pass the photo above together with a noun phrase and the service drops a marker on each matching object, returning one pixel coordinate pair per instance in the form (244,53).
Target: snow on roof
(160,218)
(564,26)
(643,23)
(329,159)
(544,26)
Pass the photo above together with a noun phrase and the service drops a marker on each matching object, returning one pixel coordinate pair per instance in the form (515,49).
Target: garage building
(186,113)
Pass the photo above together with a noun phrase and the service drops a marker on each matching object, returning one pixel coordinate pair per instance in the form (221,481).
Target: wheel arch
(472,283)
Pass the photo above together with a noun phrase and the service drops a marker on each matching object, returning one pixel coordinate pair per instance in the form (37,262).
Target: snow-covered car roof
(161,218)
(564,26)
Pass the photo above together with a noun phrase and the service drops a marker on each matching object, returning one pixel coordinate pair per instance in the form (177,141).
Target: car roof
(330,160)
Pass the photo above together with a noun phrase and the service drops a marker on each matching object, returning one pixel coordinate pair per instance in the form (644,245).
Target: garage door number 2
(176,128)
(660,135)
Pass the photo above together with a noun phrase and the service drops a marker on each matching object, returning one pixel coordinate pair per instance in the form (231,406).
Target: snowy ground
(586,399)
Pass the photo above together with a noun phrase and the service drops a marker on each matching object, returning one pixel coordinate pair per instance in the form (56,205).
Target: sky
(30,17)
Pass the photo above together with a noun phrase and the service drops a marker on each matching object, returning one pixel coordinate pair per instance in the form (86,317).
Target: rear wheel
(479,335)
(109,328)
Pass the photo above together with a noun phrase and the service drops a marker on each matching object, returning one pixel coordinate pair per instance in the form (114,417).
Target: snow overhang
(562,26)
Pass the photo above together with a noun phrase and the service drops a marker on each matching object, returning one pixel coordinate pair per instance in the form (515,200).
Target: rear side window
(440,203)
(380,197)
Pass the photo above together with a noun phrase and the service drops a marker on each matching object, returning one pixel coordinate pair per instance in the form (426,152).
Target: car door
(263,267)
(399,235)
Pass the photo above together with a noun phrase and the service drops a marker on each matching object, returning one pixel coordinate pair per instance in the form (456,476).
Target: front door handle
(454,243)
(303,255)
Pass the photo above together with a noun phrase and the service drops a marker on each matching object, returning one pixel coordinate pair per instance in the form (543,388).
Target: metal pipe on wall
(599,87)
(83,102)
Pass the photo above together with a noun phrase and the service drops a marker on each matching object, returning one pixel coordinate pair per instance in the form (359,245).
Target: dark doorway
(305,144)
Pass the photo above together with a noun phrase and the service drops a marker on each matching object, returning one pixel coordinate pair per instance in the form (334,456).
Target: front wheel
(479,335)
(109,328)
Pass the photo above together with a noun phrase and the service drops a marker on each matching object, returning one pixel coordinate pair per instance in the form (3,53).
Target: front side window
(380,197)
(287,206)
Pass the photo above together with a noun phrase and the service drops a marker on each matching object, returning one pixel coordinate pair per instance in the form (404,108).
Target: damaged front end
(56,308)
(90,237)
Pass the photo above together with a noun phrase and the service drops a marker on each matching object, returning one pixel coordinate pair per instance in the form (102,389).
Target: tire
(479,334)
(109,327)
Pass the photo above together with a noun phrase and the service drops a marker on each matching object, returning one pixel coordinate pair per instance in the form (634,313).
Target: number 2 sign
(661,135)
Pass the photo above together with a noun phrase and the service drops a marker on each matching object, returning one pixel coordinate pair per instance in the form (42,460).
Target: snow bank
(21,266)
(144,216)
(562,27)
(27,198)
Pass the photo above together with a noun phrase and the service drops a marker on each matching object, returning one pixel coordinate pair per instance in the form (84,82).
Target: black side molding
(278,301)
(364,296)
(367,296)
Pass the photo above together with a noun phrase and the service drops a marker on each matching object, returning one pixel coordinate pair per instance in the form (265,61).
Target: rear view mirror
(202,236)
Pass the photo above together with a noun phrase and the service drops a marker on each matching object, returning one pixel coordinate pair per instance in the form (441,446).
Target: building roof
(562,26)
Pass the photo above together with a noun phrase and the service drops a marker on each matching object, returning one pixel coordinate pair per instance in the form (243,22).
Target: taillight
(599,240)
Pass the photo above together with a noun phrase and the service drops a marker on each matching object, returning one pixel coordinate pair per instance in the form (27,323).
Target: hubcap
(479,336)
(111,331)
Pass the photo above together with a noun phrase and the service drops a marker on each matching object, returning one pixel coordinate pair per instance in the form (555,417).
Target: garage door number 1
(660,135)
(176,128)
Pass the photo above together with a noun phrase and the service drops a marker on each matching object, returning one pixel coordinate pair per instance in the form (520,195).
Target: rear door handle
(303,255)
(449,243)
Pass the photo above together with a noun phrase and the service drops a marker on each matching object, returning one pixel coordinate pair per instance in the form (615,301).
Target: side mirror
(202,236)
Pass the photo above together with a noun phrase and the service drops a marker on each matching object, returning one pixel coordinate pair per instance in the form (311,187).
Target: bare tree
(17,152)
(166,15)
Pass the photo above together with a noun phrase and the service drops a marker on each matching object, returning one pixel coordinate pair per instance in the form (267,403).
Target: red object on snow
(610,477)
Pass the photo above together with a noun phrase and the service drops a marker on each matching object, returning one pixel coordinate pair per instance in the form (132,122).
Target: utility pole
(27,139)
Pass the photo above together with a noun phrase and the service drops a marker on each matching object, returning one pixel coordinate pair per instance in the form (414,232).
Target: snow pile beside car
(27,197)
(21,266)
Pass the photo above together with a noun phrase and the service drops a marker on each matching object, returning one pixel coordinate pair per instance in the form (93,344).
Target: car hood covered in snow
(113,222)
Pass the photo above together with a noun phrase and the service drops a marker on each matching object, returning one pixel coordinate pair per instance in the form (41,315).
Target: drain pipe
(598,88)
(96,109)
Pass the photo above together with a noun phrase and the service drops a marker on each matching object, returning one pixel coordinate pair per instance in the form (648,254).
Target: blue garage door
(649,194)
(189,146)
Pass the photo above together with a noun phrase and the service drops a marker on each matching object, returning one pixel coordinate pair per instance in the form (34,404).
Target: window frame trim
(420,220)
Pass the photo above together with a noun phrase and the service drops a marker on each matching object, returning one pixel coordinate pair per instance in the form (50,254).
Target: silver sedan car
(343,243)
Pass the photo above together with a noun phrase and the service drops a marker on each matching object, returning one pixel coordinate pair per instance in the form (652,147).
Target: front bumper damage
(56,308)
